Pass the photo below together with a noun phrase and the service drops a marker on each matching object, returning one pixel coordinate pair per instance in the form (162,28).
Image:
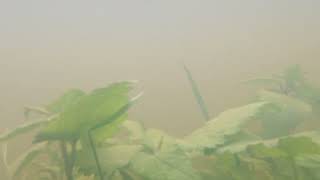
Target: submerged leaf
(27,158)
(282,115)
(165,165)
(285,101)
(228,123)
(111,158)
(24,128)
(90,110)
(66,100)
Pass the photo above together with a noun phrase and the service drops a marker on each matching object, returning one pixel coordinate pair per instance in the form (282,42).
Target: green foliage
(163,165)
(263,163)
(66,100)
(223,148)
(89,110)
(230,122)
(24,128)
(282,115)
(112,158)
(38,161)
(293,102)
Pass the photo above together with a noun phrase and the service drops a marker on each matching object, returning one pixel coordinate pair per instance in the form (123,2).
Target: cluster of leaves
(292,158)
(294,103)
(76,115)
(85,136)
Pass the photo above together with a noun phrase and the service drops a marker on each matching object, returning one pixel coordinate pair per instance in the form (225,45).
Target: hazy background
(47,47)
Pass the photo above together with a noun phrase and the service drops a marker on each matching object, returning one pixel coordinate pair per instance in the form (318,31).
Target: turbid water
(47,48)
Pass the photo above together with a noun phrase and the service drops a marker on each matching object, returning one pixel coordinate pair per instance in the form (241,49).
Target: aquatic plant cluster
(88,136)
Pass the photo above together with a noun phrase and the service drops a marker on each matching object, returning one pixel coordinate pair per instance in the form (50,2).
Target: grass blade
(197,94)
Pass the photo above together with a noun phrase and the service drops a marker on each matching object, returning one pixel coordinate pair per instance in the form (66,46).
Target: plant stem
(294,168)
(95,155)
(67,167)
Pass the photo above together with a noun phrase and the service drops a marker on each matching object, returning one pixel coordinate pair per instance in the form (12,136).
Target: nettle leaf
(285,101)
(228,123)
(112,159)
(66,100)
(282,115)
(164,165)
(310,161)
(90,109)
(238,141)
(295,146)
(314,135)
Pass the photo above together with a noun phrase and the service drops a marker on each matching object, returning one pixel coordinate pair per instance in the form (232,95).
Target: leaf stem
(95,154)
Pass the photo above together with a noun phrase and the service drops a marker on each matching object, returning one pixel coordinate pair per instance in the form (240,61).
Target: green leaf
(111,158)
(310,161)
(282,115)
(235,142)
(228,123)
(26,159)
(285,101)
(89,111)
(164,165)
(66,100)
(24,128)
(295,146)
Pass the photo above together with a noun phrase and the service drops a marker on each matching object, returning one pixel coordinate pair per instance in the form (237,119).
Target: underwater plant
(103,108)
(87,136)
(197,94)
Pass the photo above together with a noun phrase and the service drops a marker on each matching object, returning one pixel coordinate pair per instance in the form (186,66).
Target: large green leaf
(164,165)
(243,144)
(66,100)
(311,161)
(111,159)
(282,115)
(90,109)
(285,101)
(228,123)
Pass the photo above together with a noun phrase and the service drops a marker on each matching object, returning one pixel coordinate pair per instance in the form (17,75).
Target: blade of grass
(197,94)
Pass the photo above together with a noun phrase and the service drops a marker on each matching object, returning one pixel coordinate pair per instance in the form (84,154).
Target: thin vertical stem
(95,155)
(64,152)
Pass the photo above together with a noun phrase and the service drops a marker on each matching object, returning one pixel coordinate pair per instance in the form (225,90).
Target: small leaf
(24,128)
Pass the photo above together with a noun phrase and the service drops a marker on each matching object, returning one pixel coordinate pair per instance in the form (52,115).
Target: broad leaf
(66,100)
(91,109)
(282,115)
(111,159)
(164,165)
(228,123)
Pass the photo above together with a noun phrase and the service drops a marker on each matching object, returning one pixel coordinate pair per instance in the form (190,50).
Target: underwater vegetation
(87,136)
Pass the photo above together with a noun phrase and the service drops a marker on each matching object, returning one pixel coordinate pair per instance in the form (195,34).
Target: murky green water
(245,106)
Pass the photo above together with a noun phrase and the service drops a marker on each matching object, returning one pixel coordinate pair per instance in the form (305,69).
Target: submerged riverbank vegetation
(87,136)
